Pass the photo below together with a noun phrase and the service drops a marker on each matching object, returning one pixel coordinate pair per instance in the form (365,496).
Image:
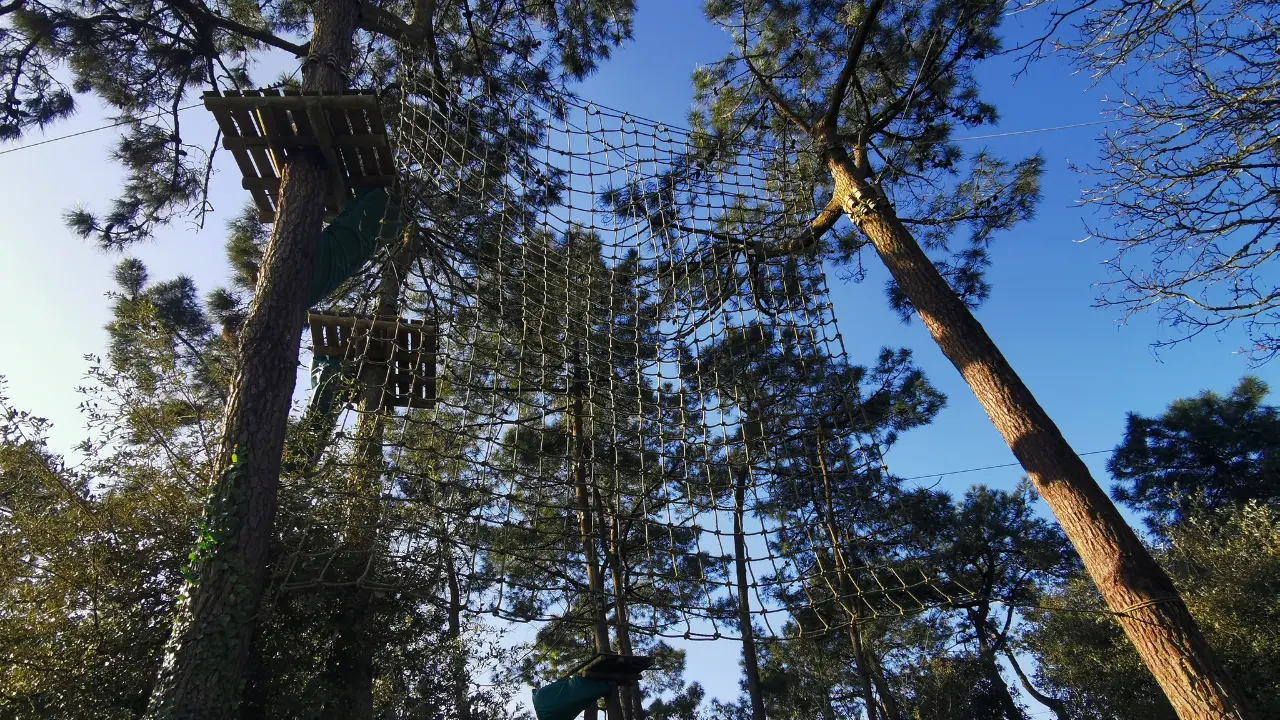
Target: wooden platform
(261,128)
(620,669)
(401,351)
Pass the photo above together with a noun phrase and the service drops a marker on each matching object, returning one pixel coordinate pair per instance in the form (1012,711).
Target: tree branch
(1058,707)
(198,13)
(376,20)
(776,99)
(846,75)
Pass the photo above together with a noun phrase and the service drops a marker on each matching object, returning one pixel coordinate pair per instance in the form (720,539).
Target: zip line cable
(990,467)
(96,129)
(196,105)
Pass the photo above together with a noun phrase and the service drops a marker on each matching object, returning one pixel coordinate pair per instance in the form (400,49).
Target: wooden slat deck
(263,128)
(620,669)
(406,349)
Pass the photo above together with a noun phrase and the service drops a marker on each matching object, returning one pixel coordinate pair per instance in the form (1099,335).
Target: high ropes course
(581,369)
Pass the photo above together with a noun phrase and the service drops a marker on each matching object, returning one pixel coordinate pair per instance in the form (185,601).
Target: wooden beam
(273,184)
(354,101)
(297,141)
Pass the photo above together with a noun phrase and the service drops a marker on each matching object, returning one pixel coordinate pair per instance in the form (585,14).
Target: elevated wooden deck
(405,350)
(620,669)
(262,128)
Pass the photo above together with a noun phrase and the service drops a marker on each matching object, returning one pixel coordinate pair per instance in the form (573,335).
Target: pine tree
(860,100)
(1203,453)
(819,427)
(597,458)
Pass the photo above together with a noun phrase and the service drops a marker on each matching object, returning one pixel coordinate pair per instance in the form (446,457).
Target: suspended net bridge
(578,369)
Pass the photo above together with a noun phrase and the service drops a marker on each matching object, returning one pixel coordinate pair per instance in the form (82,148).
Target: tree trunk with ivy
(201,676)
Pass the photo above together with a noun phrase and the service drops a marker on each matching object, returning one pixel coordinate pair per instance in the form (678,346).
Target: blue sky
(1086,368)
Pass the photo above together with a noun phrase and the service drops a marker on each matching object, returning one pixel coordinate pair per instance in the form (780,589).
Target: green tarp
(568,698)
(325,382)
(370,221)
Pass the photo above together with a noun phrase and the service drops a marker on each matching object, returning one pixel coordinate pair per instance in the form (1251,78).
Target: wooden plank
(273,184)
(378,125)
(249,128)
(300,119)
(231,133)
(357,99)
(368,157)
(264,128)
(340,120)
(273,132)
(370,142)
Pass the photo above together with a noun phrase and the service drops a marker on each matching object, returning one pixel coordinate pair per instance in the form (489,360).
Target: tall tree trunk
(987,656)
(750,663)
(202,672)
(258,681)
(1135,588)
(887,700)
(461,685)
(844,590)
(860,665)
(581,468)
(351,668)
(628,695)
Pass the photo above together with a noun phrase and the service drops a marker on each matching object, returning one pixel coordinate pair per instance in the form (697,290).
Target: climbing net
(642,403)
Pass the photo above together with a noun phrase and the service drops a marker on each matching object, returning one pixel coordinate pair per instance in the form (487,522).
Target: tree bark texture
(750,663)
(580,461)
(351,666)
(628,696)
(461,685)
(1135,588)
(202,672)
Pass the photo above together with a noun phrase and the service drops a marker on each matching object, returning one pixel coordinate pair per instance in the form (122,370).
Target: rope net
(643,412)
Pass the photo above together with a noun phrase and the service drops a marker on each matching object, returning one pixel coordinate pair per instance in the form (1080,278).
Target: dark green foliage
(943,686)
(86,580)
(1206,452)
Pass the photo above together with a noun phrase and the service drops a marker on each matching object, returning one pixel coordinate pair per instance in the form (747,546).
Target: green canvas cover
(568,698)
(370,221)
(325,381)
